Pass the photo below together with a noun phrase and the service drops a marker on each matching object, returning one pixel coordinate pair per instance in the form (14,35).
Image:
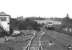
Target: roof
(3,13)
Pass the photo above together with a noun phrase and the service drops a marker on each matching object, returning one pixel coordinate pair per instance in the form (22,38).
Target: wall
(5,23)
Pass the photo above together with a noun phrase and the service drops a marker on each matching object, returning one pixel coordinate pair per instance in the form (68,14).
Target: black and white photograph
(35,24)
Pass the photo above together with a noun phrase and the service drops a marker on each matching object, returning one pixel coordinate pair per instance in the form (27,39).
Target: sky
(42,8)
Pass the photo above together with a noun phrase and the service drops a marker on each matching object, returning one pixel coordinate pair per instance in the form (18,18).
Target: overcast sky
(43,8)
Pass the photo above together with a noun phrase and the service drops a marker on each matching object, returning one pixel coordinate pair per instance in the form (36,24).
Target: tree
(29,24)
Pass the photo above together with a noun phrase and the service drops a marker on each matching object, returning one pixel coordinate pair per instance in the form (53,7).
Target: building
(49,22)
(20,18)
(4,21)
(67,24)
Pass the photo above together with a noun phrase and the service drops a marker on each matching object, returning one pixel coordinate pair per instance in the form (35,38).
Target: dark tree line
(23,25)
